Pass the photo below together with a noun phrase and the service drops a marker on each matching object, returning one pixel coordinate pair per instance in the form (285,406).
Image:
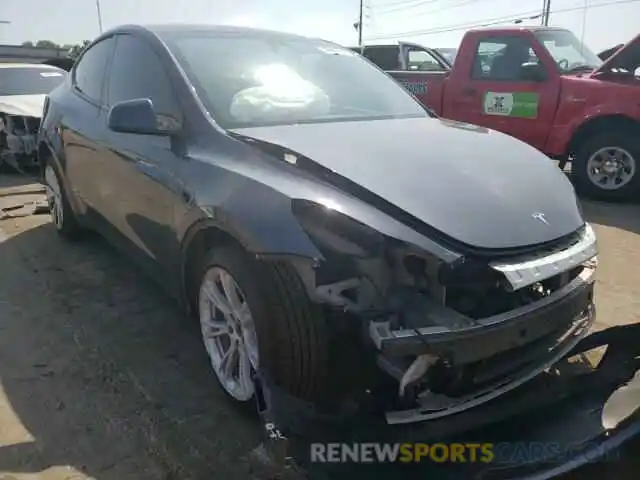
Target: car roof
(28,65)
(168,29)
(519,28)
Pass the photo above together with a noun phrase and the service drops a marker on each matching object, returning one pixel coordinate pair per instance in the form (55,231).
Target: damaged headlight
(337,232)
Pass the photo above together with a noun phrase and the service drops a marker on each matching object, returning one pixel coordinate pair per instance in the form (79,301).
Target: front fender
(561,136)
(262,224)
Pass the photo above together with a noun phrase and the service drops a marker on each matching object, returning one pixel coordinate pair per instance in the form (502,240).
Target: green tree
(46,44)
(27,44)
(76,50)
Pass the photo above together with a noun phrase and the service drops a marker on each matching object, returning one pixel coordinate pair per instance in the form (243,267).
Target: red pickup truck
(540,85)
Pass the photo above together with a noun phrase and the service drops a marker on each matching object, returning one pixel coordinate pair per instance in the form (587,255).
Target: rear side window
(90,71)
(137,72)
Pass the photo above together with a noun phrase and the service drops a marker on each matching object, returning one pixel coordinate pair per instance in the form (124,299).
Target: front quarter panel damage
(367,271)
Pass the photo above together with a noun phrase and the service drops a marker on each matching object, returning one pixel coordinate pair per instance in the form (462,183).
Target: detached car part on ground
(542,86)
(23,88)
(334,239)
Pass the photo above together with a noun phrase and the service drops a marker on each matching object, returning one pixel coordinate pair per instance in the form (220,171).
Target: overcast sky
(69,21)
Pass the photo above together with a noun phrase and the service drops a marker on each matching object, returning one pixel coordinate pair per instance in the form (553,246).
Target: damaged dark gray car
(23,88)
(322,226)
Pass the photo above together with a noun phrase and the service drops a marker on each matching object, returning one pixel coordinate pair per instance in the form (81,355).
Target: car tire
(62,215)
(290,330)
(623,148)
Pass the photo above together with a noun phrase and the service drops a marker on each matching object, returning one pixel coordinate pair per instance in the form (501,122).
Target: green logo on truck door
(515,104)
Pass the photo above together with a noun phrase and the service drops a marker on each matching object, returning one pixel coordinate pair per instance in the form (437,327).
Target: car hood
(474,185)
(25,105)
(626,57)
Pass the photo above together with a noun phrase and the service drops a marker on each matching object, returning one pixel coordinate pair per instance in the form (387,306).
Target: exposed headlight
(332,229)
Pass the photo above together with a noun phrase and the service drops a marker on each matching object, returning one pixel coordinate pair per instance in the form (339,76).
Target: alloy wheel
(229,333)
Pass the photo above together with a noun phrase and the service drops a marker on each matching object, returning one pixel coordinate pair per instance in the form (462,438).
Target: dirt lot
(102,378)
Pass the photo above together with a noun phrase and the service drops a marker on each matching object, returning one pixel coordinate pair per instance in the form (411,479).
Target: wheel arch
(199,239)
(600,124)
(207,233)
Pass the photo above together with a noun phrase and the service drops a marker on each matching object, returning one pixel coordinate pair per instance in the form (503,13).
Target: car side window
(137,72)
(419,59)
(89,73)
(501,58)
(387,57)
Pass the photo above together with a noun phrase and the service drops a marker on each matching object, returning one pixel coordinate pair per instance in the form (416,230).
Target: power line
(448,7)
(407,5)
(519,18)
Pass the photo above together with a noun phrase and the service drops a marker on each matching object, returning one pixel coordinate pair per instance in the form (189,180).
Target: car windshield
(29,80)
(247,79)
(569,53)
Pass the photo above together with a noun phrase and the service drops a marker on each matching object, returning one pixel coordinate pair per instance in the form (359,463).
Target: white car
(23,89)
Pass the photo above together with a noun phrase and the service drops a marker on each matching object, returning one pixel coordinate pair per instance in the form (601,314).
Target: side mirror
(533,72)
(136,116)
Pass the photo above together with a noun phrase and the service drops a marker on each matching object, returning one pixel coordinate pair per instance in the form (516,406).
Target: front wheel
(607,167)
(256,315)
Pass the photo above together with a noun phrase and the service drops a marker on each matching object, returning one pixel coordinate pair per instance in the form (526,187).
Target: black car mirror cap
(138,116)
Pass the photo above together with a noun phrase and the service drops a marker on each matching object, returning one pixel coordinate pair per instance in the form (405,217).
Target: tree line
(72,49)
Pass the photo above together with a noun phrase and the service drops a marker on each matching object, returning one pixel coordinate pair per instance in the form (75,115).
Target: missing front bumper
(510,348)
(581,415)
(433,406)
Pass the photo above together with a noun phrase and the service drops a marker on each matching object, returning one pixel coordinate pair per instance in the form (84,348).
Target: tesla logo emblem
(540,216)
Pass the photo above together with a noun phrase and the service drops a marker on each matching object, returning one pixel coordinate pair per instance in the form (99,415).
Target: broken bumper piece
(497,353)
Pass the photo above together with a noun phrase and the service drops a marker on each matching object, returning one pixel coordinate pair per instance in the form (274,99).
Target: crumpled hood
(477,186)
(25,105)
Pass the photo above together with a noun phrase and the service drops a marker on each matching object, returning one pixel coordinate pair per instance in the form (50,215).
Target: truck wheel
(607,167)
(254,315)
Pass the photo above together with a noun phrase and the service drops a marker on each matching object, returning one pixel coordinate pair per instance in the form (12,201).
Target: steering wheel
(563,64)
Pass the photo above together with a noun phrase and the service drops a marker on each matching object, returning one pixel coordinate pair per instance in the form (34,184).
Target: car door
(82,132)
(496,96)
(142,170)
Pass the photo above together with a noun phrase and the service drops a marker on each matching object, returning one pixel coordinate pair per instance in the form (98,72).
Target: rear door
(493,94)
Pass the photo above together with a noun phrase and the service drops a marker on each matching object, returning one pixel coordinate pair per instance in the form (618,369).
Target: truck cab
(545,87)
(407,62)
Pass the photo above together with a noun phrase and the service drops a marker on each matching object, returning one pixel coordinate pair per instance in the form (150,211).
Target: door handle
(469,92)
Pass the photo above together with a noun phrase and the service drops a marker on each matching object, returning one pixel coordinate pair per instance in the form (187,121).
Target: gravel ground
(101,376)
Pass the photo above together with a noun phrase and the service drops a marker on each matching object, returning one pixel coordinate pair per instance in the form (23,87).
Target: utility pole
(360,23)
(99,15)
(546,12)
